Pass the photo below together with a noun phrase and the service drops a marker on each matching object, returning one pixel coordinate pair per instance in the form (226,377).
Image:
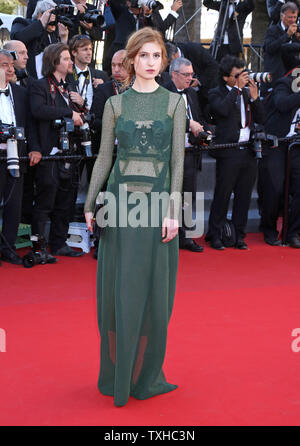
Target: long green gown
(136,271)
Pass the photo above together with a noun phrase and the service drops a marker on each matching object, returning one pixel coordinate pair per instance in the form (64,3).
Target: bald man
(20,62)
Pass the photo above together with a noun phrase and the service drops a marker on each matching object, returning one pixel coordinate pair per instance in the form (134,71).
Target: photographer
(14,111)
(181,72)
(282,43)
(80,24)
(237,13)
(55,180)
(283,120)
(235,106)
(274,7)
(135,14)
(37,33)
(20,53)
(205,66)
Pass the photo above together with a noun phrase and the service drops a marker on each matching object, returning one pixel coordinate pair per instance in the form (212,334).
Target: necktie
(6,92)
(84,73)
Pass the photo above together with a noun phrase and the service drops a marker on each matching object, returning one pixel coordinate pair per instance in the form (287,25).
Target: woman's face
(148,61)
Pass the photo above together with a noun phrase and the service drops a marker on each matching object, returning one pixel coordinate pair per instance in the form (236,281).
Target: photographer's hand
(253,90)
(86,25)
(195,127)
(47,17)
(63,32)
(176,5)
(77,119)
(292,29)
(76,98)
(34,157)
(242,79)
(97,82)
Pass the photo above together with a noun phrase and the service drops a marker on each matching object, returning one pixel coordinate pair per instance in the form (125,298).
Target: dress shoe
(12,257)
(294,242)
(272,241)
(217,244)
(191,245)
(67,251)
(240,244)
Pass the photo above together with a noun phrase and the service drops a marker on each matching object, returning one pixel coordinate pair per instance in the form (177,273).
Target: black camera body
(66,14)
(8,131)
(202,138)
(84,133)
(65,126)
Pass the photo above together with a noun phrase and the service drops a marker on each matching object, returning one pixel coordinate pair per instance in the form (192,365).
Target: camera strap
(60,88)
(85,84)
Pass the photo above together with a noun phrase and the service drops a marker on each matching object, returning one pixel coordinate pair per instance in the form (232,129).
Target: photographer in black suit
(281,121)
(274,7)
(181,72)
(132,15)
(282,43)
(14,110)
(55,180)
(237,13)
(37,33)
(235,106)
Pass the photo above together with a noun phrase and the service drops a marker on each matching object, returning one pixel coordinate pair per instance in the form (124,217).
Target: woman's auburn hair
(135,43)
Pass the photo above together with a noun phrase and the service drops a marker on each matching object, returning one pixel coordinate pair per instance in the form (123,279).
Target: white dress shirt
(85,92)
(7,111)
(245,131)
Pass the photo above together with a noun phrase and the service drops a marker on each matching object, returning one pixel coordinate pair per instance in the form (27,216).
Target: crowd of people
(49,86)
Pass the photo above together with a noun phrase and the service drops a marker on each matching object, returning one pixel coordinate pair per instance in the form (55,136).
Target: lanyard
(85,84)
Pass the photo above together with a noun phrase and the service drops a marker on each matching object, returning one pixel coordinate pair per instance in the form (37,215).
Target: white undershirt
(244,131)
(87,92)
(7,111)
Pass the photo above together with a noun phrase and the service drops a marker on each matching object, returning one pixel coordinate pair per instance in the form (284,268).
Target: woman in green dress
(138,260)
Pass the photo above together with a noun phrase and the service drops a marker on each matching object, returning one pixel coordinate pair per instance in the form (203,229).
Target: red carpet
(229,344)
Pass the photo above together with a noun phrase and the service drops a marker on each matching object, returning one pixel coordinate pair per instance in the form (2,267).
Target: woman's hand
(89,220)
(169,229)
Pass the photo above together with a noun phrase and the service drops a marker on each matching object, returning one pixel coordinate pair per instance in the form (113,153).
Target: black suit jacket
(97,74)
(194,104)
(204,65)
(280,52)
(243,9)
(101,94)
(35,38)
(126,24)
(227,116)
(283,106)
(24,119)
(45,110)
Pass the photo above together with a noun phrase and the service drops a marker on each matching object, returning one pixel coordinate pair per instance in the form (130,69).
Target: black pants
(11,194)
(272,173)
(54,199)
(192,163)
(235,174)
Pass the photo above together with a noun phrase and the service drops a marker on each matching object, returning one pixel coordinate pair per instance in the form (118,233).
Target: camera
(84,133)
(259,77)
(10,135)
(65,126)
(39,254)
(14,54)
(202,138)
(8,131)
(93,16)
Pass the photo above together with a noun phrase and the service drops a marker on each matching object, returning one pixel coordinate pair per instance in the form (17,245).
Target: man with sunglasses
(182,74)
(235,107)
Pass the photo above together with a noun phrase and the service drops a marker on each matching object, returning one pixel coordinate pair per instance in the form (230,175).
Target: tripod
(222,26)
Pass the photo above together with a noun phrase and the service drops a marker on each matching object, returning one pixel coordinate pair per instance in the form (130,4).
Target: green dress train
(136,271)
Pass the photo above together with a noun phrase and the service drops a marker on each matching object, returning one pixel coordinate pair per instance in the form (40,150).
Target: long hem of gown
(140,394)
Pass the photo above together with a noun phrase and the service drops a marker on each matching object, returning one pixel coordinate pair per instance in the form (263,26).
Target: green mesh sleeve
(104,160)
(177,158)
